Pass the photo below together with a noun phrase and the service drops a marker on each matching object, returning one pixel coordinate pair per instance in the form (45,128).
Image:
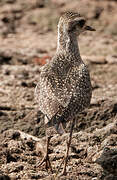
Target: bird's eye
(81,22)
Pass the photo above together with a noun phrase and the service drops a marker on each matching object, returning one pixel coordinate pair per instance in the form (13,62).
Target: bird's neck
(67,43)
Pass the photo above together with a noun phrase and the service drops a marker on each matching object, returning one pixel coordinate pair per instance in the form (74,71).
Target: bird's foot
(64,161)
(47,163)
(64,168)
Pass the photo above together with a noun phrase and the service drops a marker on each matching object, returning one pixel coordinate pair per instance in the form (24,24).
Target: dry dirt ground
(28,31)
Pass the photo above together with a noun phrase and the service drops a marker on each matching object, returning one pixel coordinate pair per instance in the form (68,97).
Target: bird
(64,86)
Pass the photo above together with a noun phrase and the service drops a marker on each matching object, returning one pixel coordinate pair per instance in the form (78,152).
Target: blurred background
(28,40)
(30,26)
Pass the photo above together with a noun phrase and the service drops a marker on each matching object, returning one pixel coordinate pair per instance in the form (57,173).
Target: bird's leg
(46,157)
(68,146)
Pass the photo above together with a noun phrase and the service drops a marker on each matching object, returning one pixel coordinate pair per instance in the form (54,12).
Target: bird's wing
(57,86)
(64,86)
(46,99)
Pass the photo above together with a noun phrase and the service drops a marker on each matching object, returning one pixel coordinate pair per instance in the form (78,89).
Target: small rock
(40,3)
(111,59)
(108,160)
(4,177)
(95,59)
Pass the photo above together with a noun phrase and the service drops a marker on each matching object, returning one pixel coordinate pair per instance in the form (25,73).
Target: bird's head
(73,23)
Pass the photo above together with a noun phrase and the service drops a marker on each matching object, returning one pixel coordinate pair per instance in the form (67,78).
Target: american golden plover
(64,87)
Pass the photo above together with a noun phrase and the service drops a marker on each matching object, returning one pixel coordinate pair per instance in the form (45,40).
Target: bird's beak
(89,28)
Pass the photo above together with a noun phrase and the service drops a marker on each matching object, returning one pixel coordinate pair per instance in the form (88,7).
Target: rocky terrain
(28,38)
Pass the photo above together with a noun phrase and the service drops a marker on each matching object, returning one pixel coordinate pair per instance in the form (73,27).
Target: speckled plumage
(64,87)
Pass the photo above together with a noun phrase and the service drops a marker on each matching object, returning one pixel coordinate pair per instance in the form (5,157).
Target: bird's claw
(47,161)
